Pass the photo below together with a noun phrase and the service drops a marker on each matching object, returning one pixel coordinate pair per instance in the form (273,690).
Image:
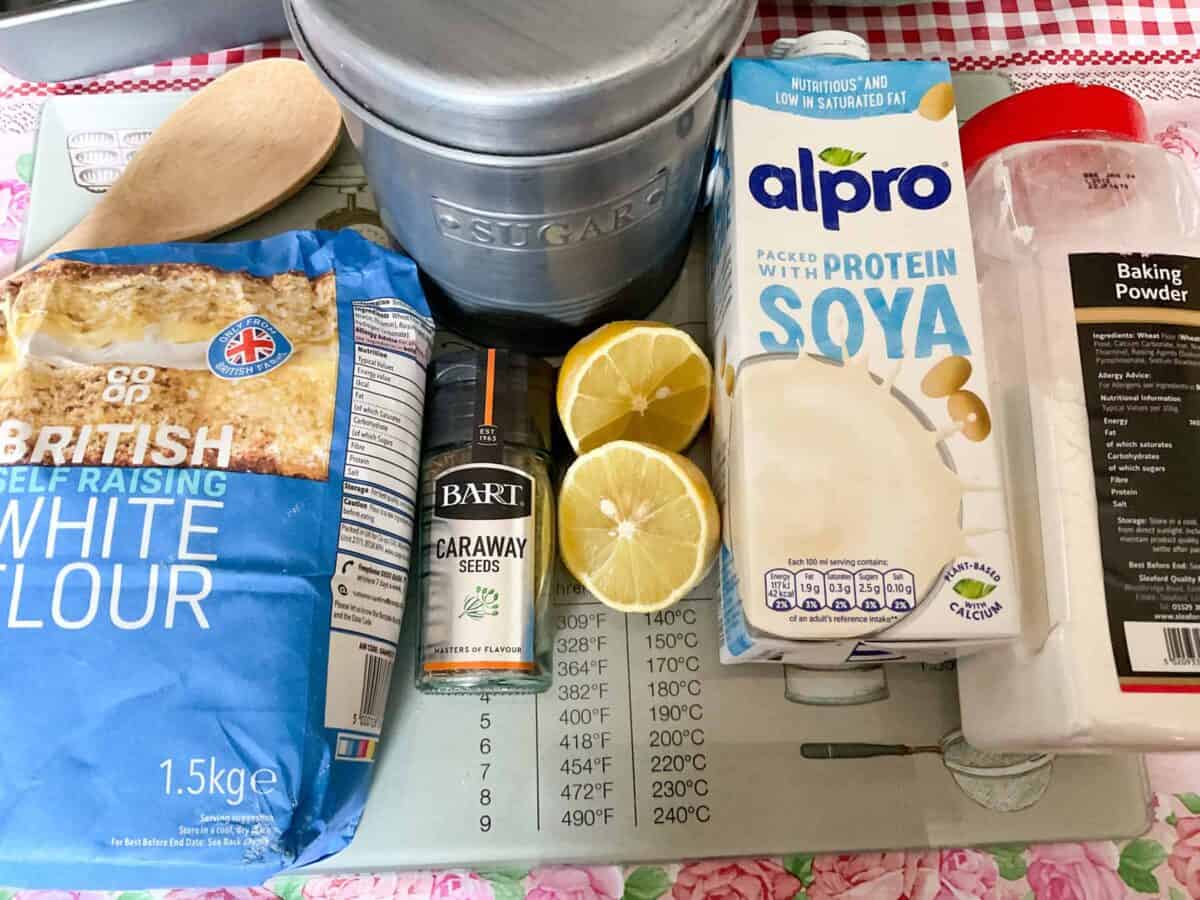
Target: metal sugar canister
(542,161)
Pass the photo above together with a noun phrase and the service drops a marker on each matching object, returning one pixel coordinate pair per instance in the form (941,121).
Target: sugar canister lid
(510,391)
(518,77)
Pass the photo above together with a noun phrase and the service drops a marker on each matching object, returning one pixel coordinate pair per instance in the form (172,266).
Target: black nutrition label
(1138,320)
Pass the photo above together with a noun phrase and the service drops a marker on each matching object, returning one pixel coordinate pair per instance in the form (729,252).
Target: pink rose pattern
(575,883)
(1181,138)
(1184,860)
(461,886)
(862,876)
(738,879)
(966,873)
(14,205)
(931,875)
(1076,872)
(402,886)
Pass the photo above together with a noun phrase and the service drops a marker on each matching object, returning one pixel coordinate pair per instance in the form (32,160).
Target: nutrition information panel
(379,495)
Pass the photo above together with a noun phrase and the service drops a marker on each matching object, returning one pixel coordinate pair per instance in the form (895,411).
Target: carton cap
(822,43)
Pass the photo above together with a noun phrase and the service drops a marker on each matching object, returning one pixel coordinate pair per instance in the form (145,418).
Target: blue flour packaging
(207,475)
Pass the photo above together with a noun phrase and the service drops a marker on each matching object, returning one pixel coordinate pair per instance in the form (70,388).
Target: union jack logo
(250,345)
(247,348)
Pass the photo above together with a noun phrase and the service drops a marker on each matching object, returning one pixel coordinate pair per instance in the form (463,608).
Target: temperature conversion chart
(647,748)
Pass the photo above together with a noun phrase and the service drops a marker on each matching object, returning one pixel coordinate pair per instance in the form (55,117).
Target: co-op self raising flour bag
(207,465)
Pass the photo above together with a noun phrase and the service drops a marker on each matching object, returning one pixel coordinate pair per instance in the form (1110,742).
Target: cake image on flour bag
(181,343)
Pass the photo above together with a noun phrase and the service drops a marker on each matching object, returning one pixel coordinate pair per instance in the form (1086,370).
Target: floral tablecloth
(1165,863)
(1149,48)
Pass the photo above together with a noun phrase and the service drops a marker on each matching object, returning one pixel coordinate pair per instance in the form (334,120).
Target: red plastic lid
(1054,111)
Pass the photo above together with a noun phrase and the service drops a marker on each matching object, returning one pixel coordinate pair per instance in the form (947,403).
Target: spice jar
(487,517)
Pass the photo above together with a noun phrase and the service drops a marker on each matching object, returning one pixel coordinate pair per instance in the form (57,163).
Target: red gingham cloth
(189,73)
(972,34)
(992,27)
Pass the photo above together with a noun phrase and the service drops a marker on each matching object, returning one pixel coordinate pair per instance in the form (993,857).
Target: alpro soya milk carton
(864,514)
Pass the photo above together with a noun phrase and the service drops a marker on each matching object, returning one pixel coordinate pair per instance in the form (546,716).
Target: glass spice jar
(487,525)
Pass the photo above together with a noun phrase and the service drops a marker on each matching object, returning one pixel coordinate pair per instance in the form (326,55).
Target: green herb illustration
(971,589)
(484,602)
(840,156)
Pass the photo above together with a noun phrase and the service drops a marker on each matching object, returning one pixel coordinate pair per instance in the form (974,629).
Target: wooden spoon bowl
(241,146)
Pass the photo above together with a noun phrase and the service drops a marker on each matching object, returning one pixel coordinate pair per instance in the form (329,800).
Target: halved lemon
(637,525)
(638,381)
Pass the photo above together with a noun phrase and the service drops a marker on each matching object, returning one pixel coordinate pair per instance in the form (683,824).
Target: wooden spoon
(241,146)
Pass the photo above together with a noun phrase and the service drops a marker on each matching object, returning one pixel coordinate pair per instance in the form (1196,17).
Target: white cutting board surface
(578,774)
(82,141)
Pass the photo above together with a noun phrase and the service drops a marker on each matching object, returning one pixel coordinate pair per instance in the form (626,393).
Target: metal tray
(57,40)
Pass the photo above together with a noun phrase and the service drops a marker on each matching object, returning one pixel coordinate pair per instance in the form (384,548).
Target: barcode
(1183,644)
(1159,647)
(377,675)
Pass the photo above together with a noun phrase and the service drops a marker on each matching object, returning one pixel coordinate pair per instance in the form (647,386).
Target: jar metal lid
(1056,111)
(515,77)
(521,399)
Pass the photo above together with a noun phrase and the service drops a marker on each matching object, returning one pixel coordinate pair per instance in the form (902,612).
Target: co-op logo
(845,190)
(127,385)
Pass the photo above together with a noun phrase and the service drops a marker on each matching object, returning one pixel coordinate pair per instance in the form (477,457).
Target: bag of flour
(208,463)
